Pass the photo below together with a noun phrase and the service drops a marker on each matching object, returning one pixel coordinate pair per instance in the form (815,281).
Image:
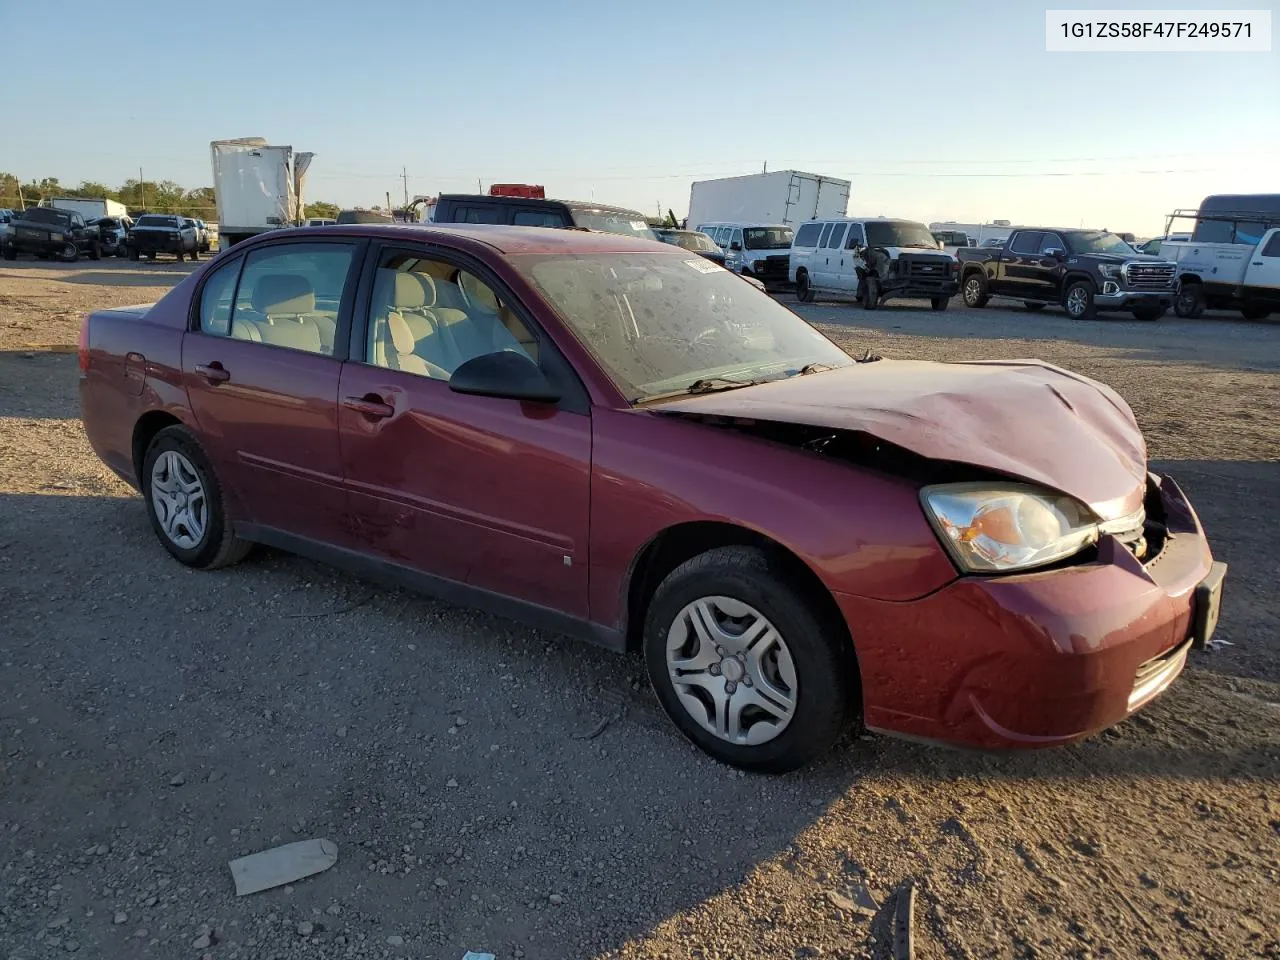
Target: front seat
(403,325)
(487,308)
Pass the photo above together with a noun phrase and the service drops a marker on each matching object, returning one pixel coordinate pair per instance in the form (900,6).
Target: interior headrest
(283,293)
(401,335)
(477,291)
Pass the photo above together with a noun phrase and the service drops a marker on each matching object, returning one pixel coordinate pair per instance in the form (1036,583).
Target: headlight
(1001,527)
(1109,269)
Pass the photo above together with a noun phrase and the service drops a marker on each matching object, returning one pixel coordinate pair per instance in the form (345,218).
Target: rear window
(807,235)
(45,215)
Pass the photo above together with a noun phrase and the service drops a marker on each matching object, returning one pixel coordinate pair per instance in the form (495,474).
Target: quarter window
(428,317)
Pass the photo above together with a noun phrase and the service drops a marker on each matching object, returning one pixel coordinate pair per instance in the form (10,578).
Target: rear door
(827,259)
(482,491)
(261,364)
(1018,261)
(1262,276)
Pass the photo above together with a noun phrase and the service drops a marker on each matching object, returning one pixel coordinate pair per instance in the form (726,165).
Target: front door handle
(370,406)
(213,372)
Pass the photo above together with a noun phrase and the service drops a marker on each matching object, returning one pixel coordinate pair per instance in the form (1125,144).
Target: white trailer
(783,197)
(257,187)
(88,207)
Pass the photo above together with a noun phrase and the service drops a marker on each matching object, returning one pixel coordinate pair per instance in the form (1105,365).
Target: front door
(1262,276)
(489,492)
(845,277)
(1015,274)
(262,379)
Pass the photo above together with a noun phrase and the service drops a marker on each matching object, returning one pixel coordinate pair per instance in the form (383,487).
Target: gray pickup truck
(1084,271)
(47,232)
(155,233)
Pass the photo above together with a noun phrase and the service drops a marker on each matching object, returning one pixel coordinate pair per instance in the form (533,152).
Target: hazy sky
(935,109)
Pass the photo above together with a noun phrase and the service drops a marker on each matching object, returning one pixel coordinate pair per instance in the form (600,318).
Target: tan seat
(480,295)
(283,300)
(406,349)
(401,297)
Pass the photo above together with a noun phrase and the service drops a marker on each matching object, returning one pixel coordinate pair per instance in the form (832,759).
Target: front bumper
(913,287)
(1114,297)
(152,244)
(1035,659)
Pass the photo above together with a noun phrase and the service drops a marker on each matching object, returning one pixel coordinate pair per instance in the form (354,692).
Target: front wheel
(804,292)
(186,504)
(939,303)
(745,665)
(1254,312)
(180,256)
(1189,303)
(870,293)
(70,252)
(1078,301)
(10,253)
(95,251)
(195,254)
(974,291)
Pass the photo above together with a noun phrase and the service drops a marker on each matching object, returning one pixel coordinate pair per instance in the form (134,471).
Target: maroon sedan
(617,439)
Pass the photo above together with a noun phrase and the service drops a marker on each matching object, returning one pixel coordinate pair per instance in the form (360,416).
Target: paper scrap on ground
(281,865)
(470,955)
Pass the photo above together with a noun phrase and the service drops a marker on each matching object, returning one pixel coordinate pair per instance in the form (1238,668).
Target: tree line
(139,196)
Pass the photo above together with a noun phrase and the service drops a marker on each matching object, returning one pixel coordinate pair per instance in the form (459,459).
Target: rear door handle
(213,372)
(371,406)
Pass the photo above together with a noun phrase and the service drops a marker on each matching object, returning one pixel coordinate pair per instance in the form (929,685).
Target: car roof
(504,239)
(571,204)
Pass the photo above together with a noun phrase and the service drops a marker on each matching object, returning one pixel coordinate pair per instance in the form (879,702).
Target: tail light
(82,346)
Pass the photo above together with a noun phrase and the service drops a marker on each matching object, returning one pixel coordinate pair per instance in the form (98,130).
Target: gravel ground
(156,722)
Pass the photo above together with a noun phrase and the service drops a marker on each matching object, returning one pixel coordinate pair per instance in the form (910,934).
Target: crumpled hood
(1022,418)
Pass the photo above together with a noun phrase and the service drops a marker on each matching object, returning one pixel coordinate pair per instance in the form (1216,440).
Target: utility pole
(142,185)
(404,175)
(388,201)
(766,167)
(479,186)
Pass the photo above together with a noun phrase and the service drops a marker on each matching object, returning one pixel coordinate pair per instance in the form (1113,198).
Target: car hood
(1021,418)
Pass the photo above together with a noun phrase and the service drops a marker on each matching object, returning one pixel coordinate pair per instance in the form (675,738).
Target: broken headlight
(1002,527)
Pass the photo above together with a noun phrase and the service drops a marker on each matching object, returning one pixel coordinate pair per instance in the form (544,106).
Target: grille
(1149,276)
(924,268)
(773,267)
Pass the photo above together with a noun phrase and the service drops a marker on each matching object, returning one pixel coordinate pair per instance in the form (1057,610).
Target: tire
(10,253)
(181,256)
(870,293)
(1189,303)
(151,255)
(1149,314)
(95,251)
(939,303)
(122,251)
(812,660)
(1033,306)
(973,290)
(1255,312)
(133,254)
(1078,300)
(217,545)
(804,292)
(195,254)
(70,252)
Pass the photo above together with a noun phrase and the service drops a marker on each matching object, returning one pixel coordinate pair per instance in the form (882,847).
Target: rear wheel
(70,252)
(180,256)
(870,293)
(1032,305)
(744,663)
(1255,312)
(151,255)
(195,254)
(939,303)
(10,253)
(185,502)
(95,251)
(974,290)
(1078,301)
(1189,303)
(804,292)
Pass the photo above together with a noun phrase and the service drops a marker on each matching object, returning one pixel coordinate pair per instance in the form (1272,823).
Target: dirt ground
(156,722)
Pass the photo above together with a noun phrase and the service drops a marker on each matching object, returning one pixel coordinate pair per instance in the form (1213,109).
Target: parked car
(1151,248)
(761,250)
(155,233)
(694,241)
(6,216)
(1084,270)
(1232,259)
(532,212)
(113,234)
(47,232)
(871,260)
(615,440)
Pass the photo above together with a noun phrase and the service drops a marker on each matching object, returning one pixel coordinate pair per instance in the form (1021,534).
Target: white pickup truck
(1231,261)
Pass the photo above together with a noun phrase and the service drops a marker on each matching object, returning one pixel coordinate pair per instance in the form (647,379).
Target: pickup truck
(47,232)
(1231,261)
(155,233)
(1083,270)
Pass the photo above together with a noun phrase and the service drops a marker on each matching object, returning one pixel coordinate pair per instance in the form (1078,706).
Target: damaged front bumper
(1041,658)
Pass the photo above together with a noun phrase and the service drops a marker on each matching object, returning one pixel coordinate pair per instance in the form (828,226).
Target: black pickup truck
(48,232)
(154,233)
(1083,270)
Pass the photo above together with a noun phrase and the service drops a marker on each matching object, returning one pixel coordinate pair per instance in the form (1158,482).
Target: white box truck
(257,187)
(87,207)
(784,197)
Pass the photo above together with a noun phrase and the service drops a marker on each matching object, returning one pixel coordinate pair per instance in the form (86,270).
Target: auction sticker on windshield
(703,266)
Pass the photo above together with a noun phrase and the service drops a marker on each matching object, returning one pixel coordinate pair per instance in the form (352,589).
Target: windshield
(153,221)
(46,215)
(899,233)
(1097,241)
(658,322)
(625,222)
(697,242)
(767,238)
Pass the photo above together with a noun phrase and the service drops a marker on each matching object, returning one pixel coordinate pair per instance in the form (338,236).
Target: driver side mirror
(1054,252)
(735,245)
(506,374)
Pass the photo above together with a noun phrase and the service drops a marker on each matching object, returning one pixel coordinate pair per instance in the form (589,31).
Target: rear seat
(285,306)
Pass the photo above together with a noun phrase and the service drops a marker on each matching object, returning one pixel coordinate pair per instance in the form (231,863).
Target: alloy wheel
(1077,301)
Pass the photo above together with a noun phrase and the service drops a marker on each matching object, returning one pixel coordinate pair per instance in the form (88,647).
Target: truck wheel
(804,292)
(975,290)
(133,254)
(939,303)
(10,253)
(870,293)
(1032,305)
(180,256)
(1078,301)
(1149,314)
(70,252)
(1189,303)
(195,254)
(1255,312)
(95,251)
(122,251)
(151,255)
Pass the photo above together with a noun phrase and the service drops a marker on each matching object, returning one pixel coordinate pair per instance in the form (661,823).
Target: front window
(659,322)
(1097,241)
(899,233)
(613,221)
(767,238)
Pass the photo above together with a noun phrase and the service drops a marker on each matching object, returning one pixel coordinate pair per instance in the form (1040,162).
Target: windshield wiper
(712,384)
(814,368)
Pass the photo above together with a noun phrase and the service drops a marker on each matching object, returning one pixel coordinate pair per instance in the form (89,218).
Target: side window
(289,295)
(488,213)
(826,232)
(1027,241)
(538,218)
(837,234)
(428,317)
(855,238)
(807,235)
(736,237)
(215,299)
(1051,241)
(1272,249)
(1249,232)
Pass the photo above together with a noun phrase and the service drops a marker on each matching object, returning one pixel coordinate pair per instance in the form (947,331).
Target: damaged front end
(885,272)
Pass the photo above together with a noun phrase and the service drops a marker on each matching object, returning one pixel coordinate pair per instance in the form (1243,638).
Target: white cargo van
(759,250)
(872,260)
